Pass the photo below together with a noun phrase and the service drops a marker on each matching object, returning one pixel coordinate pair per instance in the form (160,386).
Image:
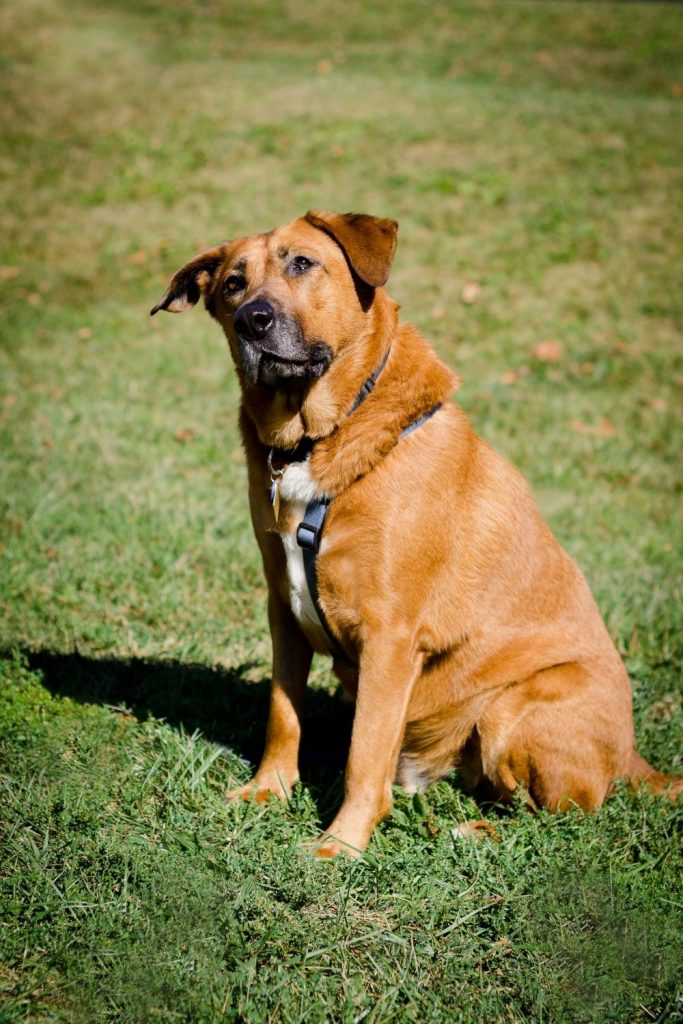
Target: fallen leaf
(546,60)
(84,333)
(9,273)
(124,716)
(667,708)
(513,375)
(470,292)
(324,67)
(601,428)
(184,434)
(547,351)
(8,401)
(137,259)
(475,830)
(501,947)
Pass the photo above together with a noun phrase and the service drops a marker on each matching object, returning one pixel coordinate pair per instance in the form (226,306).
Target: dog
(465,633)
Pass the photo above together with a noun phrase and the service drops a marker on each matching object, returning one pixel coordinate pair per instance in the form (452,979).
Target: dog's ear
(191,281)
(368,242)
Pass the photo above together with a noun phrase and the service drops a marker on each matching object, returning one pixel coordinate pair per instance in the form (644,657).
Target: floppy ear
(368,242)
(191,281)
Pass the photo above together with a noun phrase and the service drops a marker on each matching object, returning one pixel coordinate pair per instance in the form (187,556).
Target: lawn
(532,153)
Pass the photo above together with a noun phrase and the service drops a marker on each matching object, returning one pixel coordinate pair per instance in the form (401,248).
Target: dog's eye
(300,264)
(234,283)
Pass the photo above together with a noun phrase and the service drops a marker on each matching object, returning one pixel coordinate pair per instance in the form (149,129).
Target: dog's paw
(251,792)
(260,791)
(328,847)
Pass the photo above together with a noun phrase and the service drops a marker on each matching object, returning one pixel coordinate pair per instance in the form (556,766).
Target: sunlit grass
(530,149)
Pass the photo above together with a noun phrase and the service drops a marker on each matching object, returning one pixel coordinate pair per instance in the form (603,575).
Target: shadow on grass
(218,702)
(225,707)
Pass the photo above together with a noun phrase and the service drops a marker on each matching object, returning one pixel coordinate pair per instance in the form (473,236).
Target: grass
(531,148)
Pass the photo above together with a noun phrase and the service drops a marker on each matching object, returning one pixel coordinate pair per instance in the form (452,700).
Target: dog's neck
(413,383)
(285,417)
(301,451)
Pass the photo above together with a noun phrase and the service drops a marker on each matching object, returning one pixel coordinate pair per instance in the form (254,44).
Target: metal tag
(274,495)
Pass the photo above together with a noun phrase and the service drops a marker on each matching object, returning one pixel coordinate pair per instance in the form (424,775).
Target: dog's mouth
(277,370)
(313,365)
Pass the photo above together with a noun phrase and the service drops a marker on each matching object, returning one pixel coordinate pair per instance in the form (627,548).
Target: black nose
(254,319)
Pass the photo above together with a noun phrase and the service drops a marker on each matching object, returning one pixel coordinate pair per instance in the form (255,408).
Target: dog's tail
(641,773)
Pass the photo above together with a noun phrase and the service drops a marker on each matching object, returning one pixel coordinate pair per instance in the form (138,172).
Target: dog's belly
(297,489)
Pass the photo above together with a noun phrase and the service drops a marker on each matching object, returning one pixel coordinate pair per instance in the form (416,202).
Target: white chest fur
(297,489)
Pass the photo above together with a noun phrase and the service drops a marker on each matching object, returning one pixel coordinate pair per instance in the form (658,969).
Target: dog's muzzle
(272,347)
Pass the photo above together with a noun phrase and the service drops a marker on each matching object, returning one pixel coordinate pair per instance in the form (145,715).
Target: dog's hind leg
(434,745)
(565,734)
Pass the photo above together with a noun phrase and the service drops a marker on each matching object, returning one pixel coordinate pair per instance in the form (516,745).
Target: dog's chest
(298,489)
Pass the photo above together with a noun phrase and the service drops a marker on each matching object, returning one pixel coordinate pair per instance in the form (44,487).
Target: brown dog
(465,632)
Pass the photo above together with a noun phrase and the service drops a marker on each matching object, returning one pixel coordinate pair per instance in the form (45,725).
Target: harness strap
(309,535)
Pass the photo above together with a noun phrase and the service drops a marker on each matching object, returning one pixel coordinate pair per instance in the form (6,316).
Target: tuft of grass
(531,149)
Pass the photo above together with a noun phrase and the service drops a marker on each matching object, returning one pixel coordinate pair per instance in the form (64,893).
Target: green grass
(533,148)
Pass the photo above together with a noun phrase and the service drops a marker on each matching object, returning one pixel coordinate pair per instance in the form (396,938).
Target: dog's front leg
(388,670)
(279,768)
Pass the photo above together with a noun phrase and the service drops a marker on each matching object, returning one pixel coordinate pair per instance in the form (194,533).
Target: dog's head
(292,299)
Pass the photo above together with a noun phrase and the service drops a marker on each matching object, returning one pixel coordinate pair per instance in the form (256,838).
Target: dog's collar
(280,458)
(369,384)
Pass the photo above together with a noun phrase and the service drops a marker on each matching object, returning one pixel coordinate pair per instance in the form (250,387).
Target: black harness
(309,531)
